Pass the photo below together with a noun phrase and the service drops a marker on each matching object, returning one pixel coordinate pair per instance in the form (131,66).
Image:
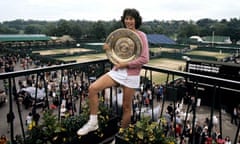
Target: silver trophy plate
(125,45)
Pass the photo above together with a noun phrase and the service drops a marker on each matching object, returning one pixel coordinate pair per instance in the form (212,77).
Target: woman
(126,74)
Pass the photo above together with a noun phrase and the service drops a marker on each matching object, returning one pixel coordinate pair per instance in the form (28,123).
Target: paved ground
(202,112)
(4,109)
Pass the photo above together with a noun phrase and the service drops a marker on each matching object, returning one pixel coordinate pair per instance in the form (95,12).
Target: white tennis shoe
(88,127)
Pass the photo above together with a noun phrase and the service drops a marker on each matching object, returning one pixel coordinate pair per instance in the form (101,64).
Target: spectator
(29,119)
(220,140)
(36,118)
(3,139)
(63,111)
(10,118)
(228,140)
(234,116)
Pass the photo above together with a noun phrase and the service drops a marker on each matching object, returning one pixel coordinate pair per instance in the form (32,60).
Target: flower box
(120,140)
(144,131)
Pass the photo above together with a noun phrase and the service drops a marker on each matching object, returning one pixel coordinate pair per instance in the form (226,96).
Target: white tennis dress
(121,76)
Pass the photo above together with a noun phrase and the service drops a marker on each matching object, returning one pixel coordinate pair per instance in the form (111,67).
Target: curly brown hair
(133,13)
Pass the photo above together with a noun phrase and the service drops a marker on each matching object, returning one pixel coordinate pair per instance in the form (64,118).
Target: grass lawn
(162,49)
(165,63)
(61,51)
(84,58)
(156,76)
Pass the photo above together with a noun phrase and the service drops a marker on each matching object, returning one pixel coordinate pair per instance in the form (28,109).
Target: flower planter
(94,137)
(65,131)
(143,131)
(120,140)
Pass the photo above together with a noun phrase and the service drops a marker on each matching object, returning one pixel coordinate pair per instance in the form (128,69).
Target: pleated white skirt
(124,79)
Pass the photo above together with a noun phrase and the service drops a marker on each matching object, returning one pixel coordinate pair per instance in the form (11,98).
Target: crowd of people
(175,115)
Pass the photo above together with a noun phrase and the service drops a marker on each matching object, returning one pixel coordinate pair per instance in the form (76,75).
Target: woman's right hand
(106,46)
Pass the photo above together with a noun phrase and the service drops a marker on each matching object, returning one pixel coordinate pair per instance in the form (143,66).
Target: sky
(94,10)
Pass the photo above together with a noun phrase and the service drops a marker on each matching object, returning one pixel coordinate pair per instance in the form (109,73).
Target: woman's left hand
(120,65)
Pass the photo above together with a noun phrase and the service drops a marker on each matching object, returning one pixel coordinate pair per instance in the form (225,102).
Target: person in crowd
(220,140)
(10,118)
(3,139)
(234,116)
(228,140)
(204,135)
(126,74)
(35,115)
(63,111)
(170,110)
(29,119)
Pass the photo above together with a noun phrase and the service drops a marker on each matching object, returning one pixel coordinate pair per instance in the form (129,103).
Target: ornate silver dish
(125,45)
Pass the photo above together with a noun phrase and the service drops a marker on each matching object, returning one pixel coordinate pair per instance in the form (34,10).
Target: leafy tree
(62,28)
(146,28)
(98,30)
(50,29)
(75,29)
(188,30)
(220,28)
(6,30)
(113,25)
(234,30)
(205,22)
(208,26)
(32,29)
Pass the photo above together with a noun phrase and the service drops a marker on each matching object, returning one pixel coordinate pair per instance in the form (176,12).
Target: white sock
(93,119)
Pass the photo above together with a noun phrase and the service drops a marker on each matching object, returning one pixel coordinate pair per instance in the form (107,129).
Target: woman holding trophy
(127,48)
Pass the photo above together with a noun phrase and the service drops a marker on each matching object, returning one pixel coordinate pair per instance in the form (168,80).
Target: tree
(205,22)
(113,25)
(50,29)
(75,30)
(98,30)
(234,30)
(32,29)
(62,28)
(206,26)
(220,28)
(188,30)
(6,30)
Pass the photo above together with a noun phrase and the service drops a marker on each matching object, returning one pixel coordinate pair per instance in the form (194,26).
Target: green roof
(216,38)
(25,37)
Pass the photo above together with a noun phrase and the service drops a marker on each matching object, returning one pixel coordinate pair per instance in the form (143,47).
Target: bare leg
(100,84)
(128,94)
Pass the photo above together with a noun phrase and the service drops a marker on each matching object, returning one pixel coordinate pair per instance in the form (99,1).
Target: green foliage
(45,132)
(73,123)
(146,132)
(52,131)
(98,30)
(33,29)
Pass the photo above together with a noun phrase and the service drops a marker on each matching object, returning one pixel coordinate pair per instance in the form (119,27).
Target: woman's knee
(93,88)
(127,108)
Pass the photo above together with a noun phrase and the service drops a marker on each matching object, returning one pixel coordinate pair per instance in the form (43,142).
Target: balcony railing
(86,70)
